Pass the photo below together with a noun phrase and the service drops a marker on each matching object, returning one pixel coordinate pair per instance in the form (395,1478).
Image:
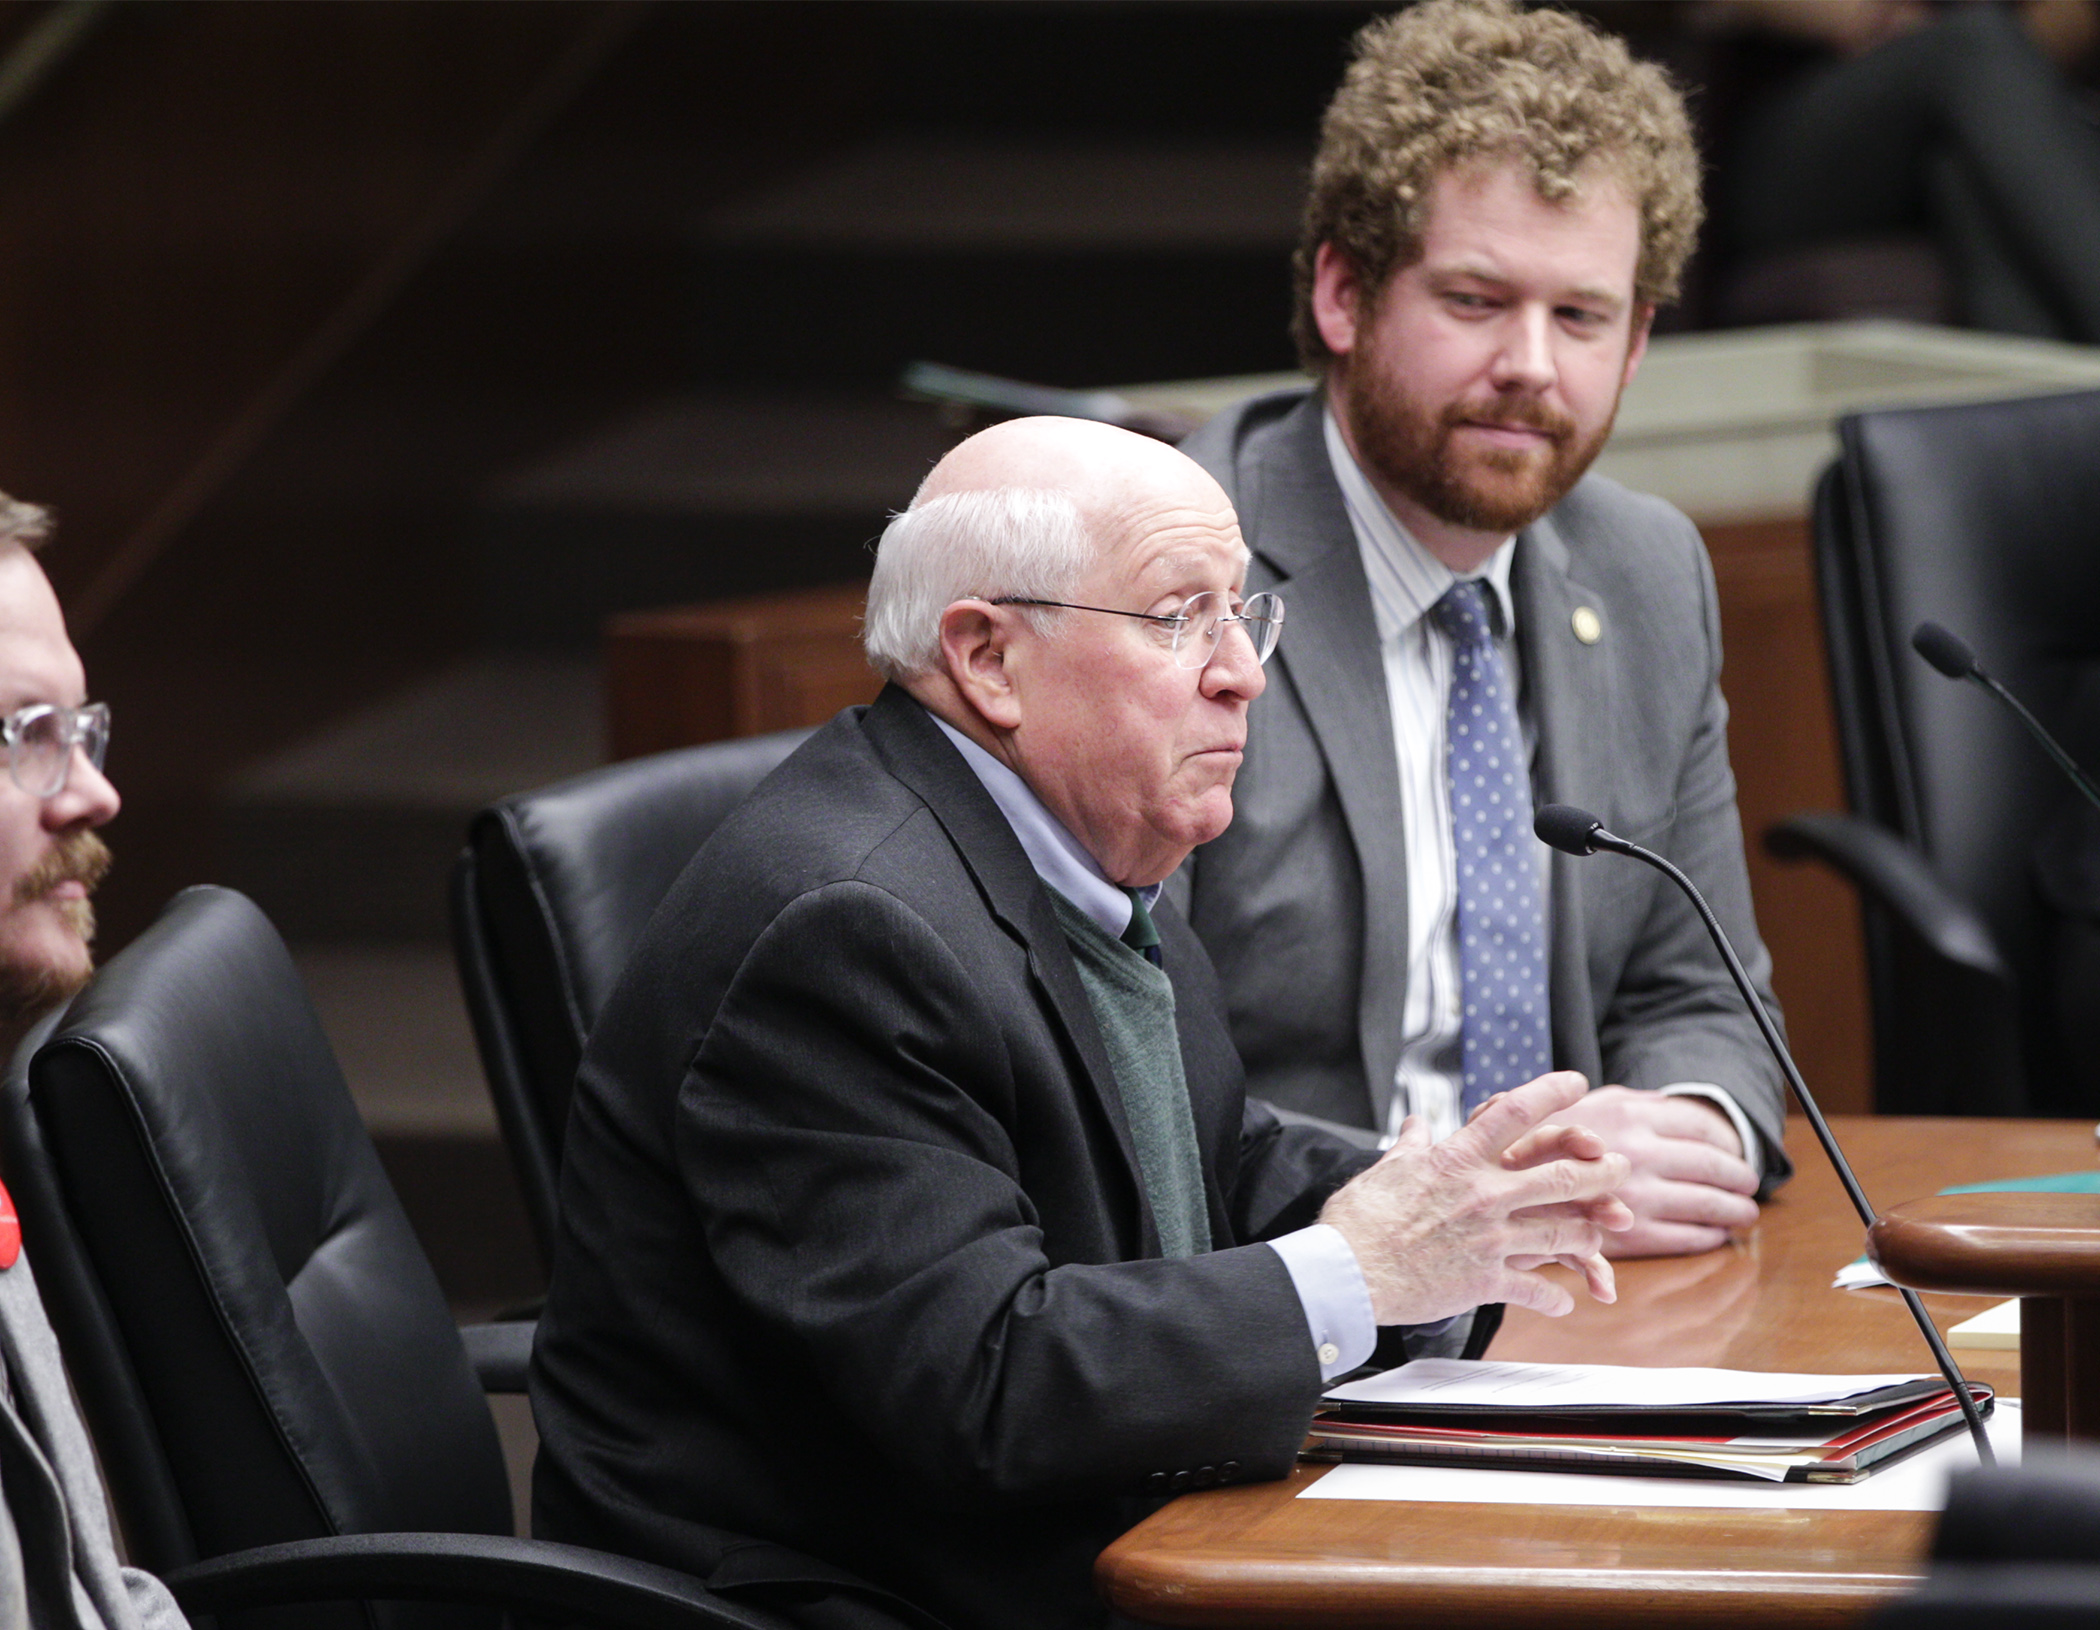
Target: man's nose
(1234,669)
(1524,360)
(89,798)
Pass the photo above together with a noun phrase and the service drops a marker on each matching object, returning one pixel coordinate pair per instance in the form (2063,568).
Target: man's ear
(1337,299)
(975,635)
(1637,345)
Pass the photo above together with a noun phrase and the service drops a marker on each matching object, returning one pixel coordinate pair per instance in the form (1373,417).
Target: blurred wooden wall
(1782,740)
(204,207)
(191,200)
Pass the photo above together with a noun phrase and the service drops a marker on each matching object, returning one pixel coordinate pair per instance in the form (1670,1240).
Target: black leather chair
(2018,1546)
(548,898)
(1985,518)
(283,1407)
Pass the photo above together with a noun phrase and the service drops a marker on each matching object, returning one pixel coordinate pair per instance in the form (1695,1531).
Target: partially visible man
(913,1214)
(1501,199)
(58,1566)
(55,795)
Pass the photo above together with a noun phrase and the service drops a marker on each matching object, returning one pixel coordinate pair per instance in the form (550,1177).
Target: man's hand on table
(1441,1228)
(1690,1185)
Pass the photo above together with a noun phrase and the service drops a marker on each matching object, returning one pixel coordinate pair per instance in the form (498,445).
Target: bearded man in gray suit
(1501,200)
(58,1564)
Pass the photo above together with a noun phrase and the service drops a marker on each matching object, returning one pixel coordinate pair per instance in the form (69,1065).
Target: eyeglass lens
(41,742)
(1207,616)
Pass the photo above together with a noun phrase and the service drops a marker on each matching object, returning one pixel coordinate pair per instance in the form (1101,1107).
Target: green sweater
(1133,1004)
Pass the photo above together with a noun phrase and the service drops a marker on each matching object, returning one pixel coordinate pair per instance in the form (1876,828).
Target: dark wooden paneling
(1783,741)
(197,191)
(692,674)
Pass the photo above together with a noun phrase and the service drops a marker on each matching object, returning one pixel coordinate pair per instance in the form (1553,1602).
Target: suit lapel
(1568,688)
(916,752)
(1293,507)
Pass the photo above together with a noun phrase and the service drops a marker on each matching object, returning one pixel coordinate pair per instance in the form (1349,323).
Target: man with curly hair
(1502,198)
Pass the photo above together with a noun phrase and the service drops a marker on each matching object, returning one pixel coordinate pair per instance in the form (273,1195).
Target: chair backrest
(548,899)
(1984,517)
(260,1346)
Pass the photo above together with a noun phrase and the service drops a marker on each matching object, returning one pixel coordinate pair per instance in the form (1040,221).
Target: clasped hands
(1691,1185)
(1440,1228)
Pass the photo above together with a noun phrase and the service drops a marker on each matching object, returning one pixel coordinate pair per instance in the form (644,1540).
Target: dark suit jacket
(1303,900)
(856,1258)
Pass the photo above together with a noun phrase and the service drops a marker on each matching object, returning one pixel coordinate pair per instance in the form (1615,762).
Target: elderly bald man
(916,1222)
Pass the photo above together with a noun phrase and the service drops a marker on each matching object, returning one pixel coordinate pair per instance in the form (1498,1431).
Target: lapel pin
(1589,627)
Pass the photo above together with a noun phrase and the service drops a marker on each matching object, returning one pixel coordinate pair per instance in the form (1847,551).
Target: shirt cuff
(1337,1302)
(1753,1145)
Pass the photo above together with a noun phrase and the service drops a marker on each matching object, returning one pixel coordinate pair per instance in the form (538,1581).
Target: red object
(10,1230)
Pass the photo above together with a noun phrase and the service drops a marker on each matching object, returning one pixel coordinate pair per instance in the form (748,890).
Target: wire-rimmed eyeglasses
(1198,625)
(40,740)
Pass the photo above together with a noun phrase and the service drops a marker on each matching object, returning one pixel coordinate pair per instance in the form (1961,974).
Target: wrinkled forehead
(1164,541)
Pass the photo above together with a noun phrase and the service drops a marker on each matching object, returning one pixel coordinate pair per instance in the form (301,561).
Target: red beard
(1492,489)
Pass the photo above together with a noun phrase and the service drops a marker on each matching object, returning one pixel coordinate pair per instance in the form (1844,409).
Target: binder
(1840,1436)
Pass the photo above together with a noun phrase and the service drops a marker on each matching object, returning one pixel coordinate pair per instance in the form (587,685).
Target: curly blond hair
(1449,81)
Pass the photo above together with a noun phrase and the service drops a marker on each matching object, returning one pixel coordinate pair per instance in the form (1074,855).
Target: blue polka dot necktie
(1501,926)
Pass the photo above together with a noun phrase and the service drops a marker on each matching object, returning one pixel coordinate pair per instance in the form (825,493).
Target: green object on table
(2061,1183)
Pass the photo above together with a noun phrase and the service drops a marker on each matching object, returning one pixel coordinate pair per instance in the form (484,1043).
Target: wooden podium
(2042,1248)
(692,674)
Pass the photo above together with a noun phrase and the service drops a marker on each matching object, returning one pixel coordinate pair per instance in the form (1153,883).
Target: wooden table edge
(1219,1591)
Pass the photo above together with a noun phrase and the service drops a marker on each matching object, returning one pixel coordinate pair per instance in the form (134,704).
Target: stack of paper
(1667,1422)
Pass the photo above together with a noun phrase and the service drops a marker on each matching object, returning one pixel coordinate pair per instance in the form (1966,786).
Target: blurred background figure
(1941,160)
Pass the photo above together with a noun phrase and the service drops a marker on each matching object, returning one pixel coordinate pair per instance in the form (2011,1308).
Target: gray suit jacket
(58,1566)
(1303,901)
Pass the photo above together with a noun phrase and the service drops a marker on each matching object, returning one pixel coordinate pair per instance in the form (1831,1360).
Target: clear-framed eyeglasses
(1200,623)
(40,741)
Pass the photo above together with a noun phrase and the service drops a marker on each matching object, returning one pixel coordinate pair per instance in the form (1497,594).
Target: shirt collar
(1059,859)
(1405,578)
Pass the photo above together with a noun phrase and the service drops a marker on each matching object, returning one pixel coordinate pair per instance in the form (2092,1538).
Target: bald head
(1024,510)
(1036,598)
(1110,475)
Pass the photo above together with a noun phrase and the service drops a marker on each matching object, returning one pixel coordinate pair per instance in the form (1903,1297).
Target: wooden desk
(1258,1556)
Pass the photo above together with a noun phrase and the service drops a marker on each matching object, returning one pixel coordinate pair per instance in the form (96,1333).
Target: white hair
(1011,541)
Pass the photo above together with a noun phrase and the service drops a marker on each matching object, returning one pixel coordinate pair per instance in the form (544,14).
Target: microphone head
(1943,651)
(1566,828)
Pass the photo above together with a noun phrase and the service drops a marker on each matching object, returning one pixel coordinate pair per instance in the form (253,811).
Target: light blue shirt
(1323,1269)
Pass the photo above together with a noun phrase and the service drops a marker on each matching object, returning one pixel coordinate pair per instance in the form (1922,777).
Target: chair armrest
(534,1578)
(499,1353)
(1895,877)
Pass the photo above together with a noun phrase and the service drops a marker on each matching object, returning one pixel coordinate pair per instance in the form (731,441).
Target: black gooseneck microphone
(1577,832)
(1957,661)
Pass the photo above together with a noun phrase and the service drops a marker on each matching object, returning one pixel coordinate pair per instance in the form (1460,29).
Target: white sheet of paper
(1916,1484)
(1590,1386)
(1997,1327)
(1859,1274)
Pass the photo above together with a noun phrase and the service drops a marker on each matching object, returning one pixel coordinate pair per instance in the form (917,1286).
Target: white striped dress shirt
(1406,580)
